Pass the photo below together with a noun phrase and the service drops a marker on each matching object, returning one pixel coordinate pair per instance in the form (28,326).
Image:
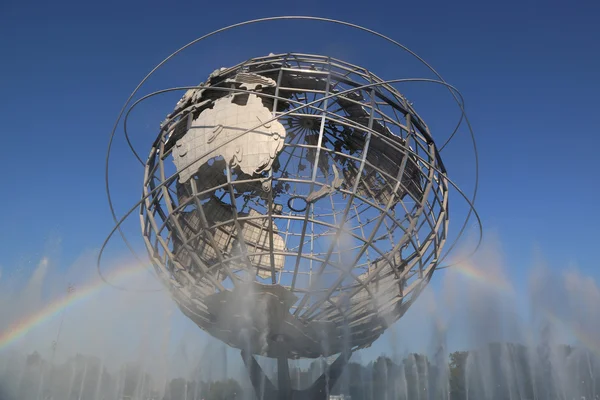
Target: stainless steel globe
(295,204)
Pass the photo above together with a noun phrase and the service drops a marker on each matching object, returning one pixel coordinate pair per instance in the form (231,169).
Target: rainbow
(483,276)
(21,327)
(588,340)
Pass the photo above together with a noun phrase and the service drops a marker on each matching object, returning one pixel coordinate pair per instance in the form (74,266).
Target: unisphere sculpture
(295,206)
(306,212)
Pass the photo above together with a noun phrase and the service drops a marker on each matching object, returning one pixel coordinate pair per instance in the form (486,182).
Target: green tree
(224,390)
(458,366)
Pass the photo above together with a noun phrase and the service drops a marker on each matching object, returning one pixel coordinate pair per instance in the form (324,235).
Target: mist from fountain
(137,345)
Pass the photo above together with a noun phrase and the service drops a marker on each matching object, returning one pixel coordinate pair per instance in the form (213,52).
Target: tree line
(499,371)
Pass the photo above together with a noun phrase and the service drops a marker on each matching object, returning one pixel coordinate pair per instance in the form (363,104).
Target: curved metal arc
(119,222)
(310,106)
(164,183)
(279,18)
(239,90)
(240,24)
(302,106)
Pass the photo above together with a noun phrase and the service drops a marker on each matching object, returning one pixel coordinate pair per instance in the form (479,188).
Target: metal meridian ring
(289,203)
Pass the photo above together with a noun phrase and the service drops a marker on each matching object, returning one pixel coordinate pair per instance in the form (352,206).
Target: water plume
(506,340)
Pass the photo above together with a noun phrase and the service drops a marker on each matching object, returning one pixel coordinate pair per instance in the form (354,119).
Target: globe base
(319,390)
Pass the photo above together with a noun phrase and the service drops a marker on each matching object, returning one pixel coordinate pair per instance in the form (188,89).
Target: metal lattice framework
(344,227)
(294,205)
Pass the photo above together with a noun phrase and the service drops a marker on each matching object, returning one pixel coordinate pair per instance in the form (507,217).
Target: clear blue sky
(528,72)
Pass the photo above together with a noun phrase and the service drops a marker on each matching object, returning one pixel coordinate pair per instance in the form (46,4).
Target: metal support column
(265,390)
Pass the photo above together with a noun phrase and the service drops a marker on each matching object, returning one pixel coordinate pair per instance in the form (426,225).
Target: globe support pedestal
(265,390)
